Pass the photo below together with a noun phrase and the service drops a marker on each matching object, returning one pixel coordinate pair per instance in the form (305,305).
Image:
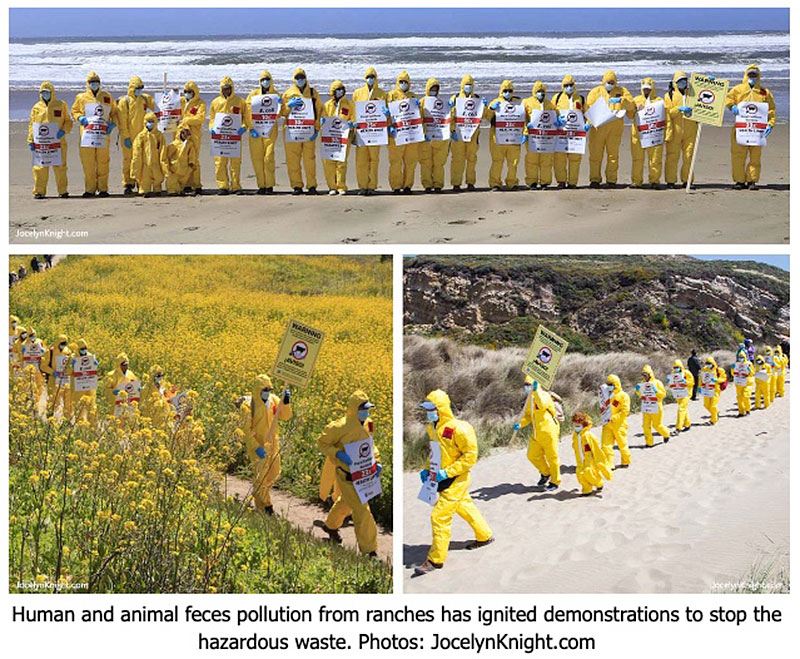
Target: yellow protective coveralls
(305,152)
(683,422)
(655,154)
(262,149)
(773,380)
(56,112)
(606,139)
(592,466)
(538,166)
(58,394)
(763,396)
(95,162)
(367,157)
(432,155)
(616,430)
(653,420)
(711,403)
(193,114)
(16,349)
(540,414)
(402,159)
(181,161)
(84,403)
(116,379)
(782,362)
(148,160)
(132,110)
(155,398)
(345,109)
(742,171)
(464,154)
(328,485)
(32,351)
(502,153)
(332,440)
(227,171)
(567,166)
(459,448)
(681,134)
(742,393)
(264,417)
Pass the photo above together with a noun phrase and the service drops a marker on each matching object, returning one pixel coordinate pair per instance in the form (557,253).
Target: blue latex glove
(115,391)
(386,112)
(213,132)
(379,469)
(441,475)
(322,120)
(60,134)
(767,131)
(295,103)
(423,475)
(638,387)
(352,124)
(587,126)
(516,427)
(451,103)
(714,380)
(253,132)
(287,397)
(454,136)
(535,385)
(83,121)
(427,139)
(127,142)
(313,136)
(614,99)
(242,131)
(735,109)
(712,78)
(261,453)
(111,126)
(684,108)
(560,121)
(494,106)
(32,146)
(416,101)
(346,459)
(531,126)
(524,139)
(392,131)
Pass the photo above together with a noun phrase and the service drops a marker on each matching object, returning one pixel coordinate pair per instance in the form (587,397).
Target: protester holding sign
(354,426)
(155,398)
(605,139)
(773,379)
(503,151)
(647,135)
(402,158)
(436,117)
(567,164)
(781,364)
(681,131)
(747,174)
(681,382)
(194,116)
(227,169)
(466,119)
(763,382)
(31,352)
(49,110)
(652,392)
(148,160)
(83,372)
(540,413)
(368,155)
(132,107)
(741,372)
(116,380)
(459,453)
(592,465)
(615,429)
(263,108)
(712,379)
(95,159)
(541,137)
(54,366)
(180,157)
(341,107)
(303,99)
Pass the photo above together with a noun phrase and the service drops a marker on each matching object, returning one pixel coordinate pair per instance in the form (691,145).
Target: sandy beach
(712,214)
(690,516)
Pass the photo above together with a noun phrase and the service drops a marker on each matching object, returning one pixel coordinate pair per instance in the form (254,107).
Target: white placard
(265,109)
(371,123)
(300,122)
(227,143)
(364,469)
(169,110)
(436,119)
(334,137)
(571,136)
(11,339)
(60,370)
(84,372)
(604,401)
(407,121)
(133,389)
(33,354)
(751,122)
(741,371)
(707,387)
(649,398)
(763,376)
(677,384)
(542,137)
(770,360)
(180,403)
(509,122)
(600,113)
(651,124)
(46,146)
(94,135)
(469,112)
(429,492)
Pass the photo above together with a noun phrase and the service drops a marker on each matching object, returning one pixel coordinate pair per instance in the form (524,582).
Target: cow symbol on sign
(299,350)
(706,96)
(545,355)
(363,450)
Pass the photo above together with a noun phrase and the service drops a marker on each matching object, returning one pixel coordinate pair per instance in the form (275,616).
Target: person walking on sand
(651,391)
(694,368)
(540,413)
(616,430)
(592,465)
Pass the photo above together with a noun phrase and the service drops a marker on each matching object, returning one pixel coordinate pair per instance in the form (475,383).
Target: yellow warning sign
(706,97)
(298,353)
(544,356)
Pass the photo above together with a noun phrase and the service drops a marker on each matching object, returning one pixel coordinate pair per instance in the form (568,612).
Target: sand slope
(699,510)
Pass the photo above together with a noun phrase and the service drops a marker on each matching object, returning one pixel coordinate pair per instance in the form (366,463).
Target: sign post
(706,97)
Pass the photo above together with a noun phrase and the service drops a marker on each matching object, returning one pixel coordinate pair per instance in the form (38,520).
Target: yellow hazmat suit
(328,486)
(16,348)
(95,161)
(464,154)
(781,362)
(773,380)
(763,386)
(538,166)
(502,153)
(57,112)
(459,448)
(84,403)
(227,171)
(302,151)
(742,391)
(616,430)
(681,134)
(148,160)
(742,171)
(683,422)
(132,109)
(653,420)
(432,155)
(332,440)
(262,149)
(655,154)
(180,157)
(345,109)
(606,139)
(193,114)
(367,157)
(32,351)
(540,414)
(402,159)
(155,398)
(116,379)
(592,465)
(564,102)
(264,417)
(58,394)
(718,377)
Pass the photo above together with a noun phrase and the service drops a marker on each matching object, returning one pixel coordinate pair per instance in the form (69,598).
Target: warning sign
(544,356)
(706,97)
(298,353)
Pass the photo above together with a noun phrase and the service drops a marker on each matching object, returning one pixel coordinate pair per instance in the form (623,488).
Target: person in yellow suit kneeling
(540,413)
(592,467)
(181,161)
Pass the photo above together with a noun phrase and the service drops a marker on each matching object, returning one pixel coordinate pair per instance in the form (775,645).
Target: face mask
(46,96)
(265,83)
(646,92)
(13,326)
(404,86)
(63,346)
(467,89)
(370,82)
(138,91)
(188,94)
(678,369)
(227,91)
(682,84)
(708,366)
(94,86)
(539,96)
(183,136)
(752,81)
(610,86)
(434,91)
(578,429)
(33,338)
(338,93)
(433,416)
(363,415)
(150,125)
(82,351)
(507,95)
(645,376)
(528,388)
(569,89)
(157,379)
(124,367)
(740,358)
(23,336)
(265,395)
(301,83)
